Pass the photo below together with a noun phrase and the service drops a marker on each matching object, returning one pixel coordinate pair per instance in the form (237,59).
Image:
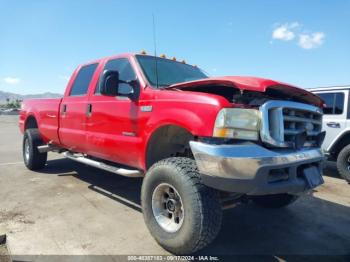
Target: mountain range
(13,96)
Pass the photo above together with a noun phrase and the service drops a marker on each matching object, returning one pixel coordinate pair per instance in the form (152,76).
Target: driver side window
(126,73)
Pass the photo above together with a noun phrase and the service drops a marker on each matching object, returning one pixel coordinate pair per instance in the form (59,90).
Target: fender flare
(337,140)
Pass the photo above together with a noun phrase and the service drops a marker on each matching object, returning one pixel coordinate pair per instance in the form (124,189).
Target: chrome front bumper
(254,170)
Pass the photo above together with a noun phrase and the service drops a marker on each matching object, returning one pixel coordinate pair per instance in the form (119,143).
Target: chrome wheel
(26,150)
(348,163)
(167,207)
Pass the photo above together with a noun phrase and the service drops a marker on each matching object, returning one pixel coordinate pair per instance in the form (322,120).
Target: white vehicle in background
(336,123)
(10,111)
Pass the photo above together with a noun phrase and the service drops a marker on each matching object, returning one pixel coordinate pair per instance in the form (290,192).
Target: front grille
(284,122)
(296,121)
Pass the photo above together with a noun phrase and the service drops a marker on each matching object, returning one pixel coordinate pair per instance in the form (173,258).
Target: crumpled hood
(253,84)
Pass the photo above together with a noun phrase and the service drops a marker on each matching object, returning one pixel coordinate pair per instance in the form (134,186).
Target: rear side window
(334,103)
(126,72)
(82,81)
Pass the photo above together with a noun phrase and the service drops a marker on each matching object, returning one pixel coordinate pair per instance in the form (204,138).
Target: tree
(17,103)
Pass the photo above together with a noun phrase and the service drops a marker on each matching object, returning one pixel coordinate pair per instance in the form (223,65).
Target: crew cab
(201,143)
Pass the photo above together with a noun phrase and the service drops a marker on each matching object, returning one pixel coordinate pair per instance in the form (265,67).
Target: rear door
(74,108)
(335,114)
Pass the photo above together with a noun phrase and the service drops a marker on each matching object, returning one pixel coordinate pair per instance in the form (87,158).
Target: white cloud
(309,41)
(12,80)
(285,32)
(295,31)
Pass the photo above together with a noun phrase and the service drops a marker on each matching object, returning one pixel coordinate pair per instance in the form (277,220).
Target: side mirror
(111,85)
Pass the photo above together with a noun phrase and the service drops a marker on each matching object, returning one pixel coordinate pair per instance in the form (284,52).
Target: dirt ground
(71,209)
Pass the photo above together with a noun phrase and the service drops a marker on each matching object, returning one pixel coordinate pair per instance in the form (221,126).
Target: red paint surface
(103,133)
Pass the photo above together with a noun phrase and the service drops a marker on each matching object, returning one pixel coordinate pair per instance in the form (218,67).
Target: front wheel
(343,163)
(274,201)
(181,213)
(33,159)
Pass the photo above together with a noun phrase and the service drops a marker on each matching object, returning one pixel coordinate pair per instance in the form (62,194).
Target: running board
(103,166)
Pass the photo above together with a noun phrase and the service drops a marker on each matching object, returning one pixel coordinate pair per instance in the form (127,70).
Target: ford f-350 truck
(201,143)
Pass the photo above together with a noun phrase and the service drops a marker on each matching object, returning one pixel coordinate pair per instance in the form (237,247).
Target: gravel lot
(69,208)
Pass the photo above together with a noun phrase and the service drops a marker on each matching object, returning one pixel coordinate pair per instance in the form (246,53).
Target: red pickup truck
(201,143)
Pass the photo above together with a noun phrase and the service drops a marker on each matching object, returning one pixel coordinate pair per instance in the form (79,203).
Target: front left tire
(181,213)
(33,159)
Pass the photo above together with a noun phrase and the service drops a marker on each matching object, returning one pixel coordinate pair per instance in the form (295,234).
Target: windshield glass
(169,72)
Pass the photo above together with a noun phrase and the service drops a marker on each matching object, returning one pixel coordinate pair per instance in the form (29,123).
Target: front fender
(196,124)
(186,119)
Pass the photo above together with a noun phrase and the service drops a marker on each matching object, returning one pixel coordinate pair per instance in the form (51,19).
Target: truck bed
(48,120)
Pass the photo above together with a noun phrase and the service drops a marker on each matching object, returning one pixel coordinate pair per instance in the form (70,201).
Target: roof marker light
(143,52)
(162,56)
(174,58)
(183,61)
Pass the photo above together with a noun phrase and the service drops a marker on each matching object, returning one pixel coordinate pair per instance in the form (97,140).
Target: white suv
(336,123)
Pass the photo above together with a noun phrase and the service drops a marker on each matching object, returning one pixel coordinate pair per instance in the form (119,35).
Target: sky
(305,43)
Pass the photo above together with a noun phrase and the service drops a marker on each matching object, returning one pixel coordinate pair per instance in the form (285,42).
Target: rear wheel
(343,163)
(33,159)
(181,213)
(274,201)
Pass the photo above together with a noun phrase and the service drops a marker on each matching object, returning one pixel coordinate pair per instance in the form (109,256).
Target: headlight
(237,123)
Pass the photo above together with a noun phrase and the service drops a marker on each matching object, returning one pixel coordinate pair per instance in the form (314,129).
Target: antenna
(155,49)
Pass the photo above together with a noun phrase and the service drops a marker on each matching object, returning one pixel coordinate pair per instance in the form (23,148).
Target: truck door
(112,126)
(335,114)
(73,110)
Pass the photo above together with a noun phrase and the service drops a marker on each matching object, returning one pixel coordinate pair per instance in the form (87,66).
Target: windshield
(169,72)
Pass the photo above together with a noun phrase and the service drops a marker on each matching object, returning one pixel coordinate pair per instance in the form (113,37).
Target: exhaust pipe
(47,148)
(44,149)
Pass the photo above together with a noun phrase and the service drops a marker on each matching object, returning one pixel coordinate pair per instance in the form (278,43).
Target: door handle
(333,124)
(64,109)
(89,110)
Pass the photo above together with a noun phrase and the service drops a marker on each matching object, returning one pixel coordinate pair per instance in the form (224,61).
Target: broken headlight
(238,123)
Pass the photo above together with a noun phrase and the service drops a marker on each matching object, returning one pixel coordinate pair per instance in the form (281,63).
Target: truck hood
(254,84)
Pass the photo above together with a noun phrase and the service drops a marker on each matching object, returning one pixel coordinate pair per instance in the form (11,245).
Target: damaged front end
(275,132)
(250,91)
